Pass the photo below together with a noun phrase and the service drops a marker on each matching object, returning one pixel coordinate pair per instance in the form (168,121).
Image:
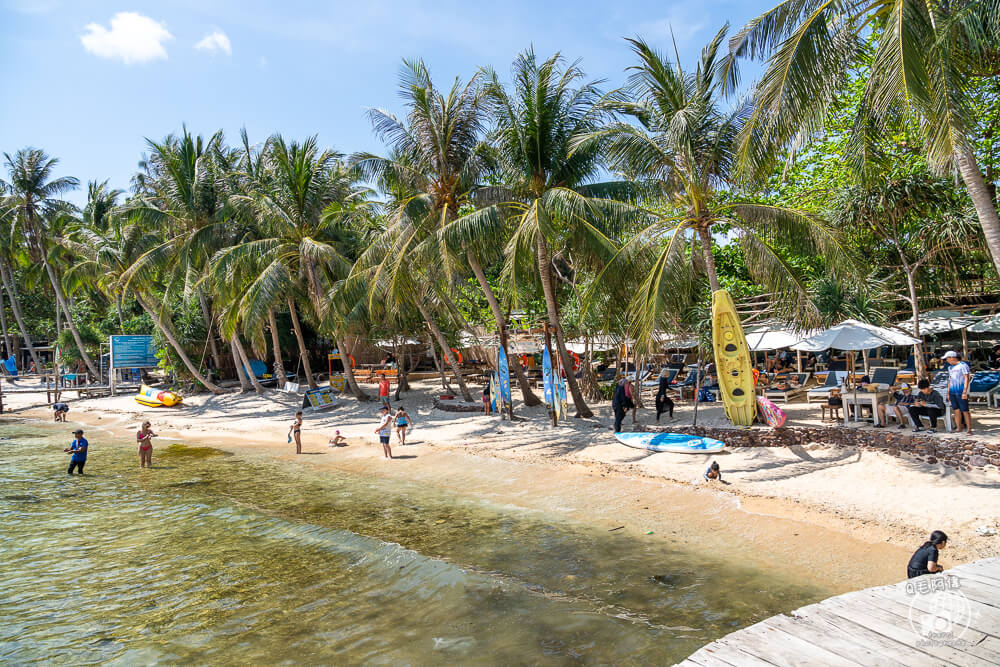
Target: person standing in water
(925,559)
(384,430)
(295,432)
(145,439)
(79,451)
(403,421)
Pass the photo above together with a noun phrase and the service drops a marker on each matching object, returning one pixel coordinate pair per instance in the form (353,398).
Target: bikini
(401,421)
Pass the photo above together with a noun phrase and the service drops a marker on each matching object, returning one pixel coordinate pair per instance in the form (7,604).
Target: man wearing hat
(903,399)
(79,451)
(959,378)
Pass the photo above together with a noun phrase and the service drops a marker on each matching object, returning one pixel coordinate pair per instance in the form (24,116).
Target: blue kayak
(671,442)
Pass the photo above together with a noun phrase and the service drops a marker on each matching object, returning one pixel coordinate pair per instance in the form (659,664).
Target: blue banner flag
(504,377)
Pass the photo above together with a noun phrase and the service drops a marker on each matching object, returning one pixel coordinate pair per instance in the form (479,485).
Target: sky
(88,81)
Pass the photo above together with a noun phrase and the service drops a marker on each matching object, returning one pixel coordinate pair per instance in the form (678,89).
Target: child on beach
(925,559)
(338,440)
(384,430)
(402,422)
(295,432)
(383,391)
(833,403)
(713,473)
(487,401)
(144,437)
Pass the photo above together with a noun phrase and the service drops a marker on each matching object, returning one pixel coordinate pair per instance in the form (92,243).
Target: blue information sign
(133,352)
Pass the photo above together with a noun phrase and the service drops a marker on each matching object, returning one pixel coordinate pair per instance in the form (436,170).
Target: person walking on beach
(295,432)
(145,437)
(929,404)
(383,391)
(79,451)
(663,402)
(403,421)
(959,378)
(384,429)
(620,403)
(59,410)
(925,559)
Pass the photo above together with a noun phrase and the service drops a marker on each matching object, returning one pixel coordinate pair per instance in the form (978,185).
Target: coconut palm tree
(558,214)
(33,197)
(303,204)
(439,158)
(7,261)
(680,147)
(923,56)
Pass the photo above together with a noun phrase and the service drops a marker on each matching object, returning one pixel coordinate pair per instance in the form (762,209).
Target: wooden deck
(946,619)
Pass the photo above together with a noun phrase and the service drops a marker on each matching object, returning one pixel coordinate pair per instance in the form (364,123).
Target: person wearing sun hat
(959,378)
(902,400)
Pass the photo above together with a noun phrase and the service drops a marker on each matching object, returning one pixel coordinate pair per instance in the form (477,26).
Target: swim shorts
(957,402)
(384,439)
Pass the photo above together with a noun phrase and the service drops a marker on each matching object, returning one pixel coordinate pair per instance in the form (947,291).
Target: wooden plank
(794,652)
(850,647)
(728,654)
(985,619)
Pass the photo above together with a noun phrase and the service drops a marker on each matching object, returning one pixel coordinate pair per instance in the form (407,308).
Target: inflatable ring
(350,356)
(458,355)
(576,361)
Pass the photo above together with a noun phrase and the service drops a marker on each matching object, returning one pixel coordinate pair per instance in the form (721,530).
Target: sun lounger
(784,395)
(884,376)
(820,394)
(655,382)
(985,386)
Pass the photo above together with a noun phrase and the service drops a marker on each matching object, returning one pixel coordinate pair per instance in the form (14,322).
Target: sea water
(215,558)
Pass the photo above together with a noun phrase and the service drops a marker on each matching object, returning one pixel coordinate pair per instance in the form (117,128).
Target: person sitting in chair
(928,403)
(902,400)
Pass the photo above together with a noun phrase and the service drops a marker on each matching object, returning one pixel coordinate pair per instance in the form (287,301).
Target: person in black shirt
(925,559)
(663,402)
(995,358)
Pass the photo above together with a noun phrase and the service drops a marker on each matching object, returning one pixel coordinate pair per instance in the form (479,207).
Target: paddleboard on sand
(671,442)
(732,361)
(772,414)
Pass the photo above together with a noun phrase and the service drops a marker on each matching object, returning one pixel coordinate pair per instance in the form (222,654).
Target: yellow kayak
(732,361)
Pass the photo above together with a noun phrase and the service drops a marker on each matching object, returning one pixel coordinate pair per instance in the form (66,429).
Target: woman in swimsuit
(295,431)
(145,439)
(402,421)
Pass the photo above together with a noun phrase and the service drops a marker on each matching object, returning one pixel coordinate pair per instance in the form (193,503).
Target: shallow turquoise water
(233,559)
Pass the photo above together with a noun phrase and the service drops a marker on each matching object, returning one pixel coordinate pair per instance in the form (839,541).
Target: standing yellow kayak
(732,361)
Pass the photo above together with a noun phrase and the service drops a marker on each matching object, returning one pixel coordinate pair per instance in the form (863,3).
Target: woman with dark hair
(925,559)
(663,402)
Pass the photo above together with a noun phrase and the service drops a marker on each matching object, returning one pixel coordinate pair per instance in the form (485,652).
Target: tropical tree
(922,56)
(681,149)
(547,193)
(33,197)
(438,156)
(7,260)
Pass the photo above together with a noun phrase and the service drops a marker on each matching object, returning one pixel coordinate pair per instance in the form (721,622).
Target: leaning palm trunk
(522,379)
(437,364)
(206,314)
(238,365)
(303,352)
(443,343)
(3,323)
(552,308)
(244,364)
(345,360)
(279,365)
(986,208)
(705,235)
(169,335)
(15,306)
(61,300)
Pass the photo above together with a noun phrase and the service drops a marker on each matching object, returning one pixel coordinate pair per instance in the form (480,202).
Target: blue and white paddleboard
(671,442)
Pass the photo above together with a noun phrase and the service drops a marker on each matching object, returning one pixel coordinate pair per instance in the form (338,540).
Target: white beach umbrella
(989,325)
(759,341)
(938,321)
(853,335)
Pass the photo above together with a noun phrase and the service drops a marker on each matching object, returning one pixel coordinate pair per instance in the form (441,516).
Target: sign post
(130,352)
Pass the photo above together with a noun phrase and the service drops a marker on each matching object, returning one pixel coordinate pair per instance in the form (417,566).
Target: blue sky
(89,80)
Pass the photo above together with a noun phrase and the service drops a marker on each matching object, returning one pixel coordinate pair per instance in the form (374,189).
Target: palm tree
(439,158)
(303,204)
(681,149)
(557,214)
(924,54)
(32,195)
(7,260)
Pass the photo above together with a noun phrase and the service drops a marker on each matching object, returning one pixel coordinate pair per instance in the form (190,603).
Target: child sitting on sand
(338,440)
(713,474)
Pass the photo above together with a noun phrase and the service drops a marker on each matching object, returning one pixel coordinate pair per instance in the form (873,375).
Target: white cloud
(133,38)
(215,41)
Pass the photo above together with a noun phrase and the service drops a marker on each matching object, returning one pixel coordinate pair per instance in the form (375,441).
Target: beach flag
(563,405)
(547,378)
(494,390)
(504,378)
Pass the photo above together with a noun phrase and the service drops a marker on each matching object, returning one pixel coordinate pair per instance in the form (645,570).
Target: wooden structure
(944,619)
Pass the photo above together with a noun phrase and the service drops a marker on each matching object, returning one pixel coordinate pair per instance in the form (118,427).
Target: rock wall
(957,453)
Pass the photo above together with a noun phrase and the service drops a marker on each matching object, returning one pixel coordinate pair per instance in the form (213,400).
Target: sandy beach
(841,517)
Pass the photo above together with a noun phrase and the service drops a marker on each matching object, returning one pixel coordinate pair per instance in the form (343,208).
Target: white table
(872,398)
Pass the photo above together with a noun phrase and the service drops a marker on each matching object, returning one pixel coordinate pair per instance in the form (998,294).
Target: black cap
(78,431)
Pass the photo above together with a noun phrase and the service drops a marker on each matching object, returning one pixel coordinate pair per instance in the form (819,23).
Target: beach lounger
(655,382)
(820,394)
(884,376)
(259,370)
(985,386)
(784,395)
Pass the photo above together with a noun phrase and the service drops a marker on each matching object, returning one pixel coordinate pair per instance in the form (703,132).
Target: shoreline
(815,519)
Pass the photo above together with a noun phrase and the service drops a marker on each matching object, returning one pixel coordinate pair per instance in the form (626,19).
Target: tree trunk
(303,353)
(522,379)
(706,248)
(206,314)
(697,388)
(986,209)
(279,364)
(545,273)
(918,352)
(61,300)
(238,365)
(443,343)
(15,306)
(8,346)
(588,380)
(352,382)
(243,364)
(58,321)
(438,366)
(168,334)
(121,318)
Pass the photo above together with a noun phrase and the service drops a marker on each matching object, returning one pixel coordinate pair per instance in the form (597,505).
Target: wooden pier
(951,618)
